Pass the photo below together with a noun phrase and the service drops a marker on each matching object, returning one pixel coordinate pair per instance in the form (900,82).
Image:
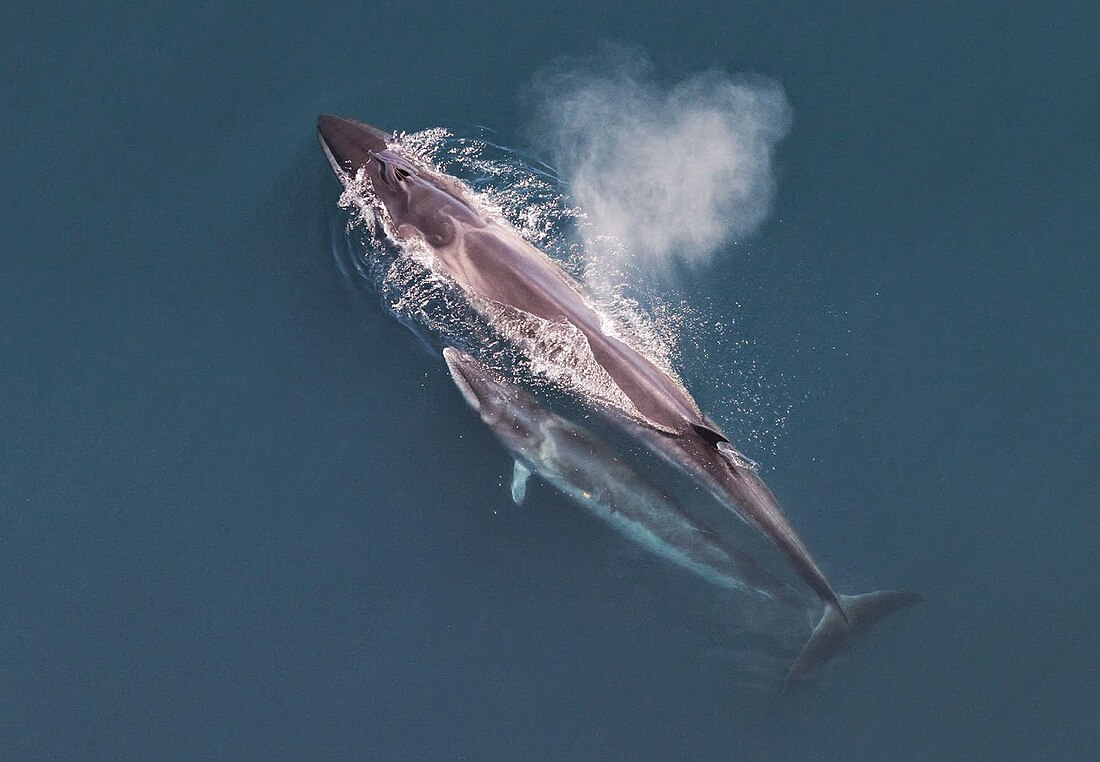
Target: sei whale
(585,469)
(504,275)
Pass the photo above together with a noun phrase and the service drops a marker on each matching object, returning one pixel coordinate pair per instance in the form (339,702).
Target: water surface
(247,514)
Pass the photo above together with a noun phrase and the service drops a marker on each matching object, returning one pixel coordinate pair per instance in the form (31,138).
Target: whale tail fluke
(831,634)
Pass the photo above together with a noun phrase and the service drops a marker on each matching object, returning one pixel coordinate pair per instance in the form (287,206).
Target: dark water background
(244,515)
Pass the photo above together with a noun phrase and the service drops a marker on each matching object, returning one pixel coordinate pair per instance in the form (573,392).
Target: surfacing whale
(504,275)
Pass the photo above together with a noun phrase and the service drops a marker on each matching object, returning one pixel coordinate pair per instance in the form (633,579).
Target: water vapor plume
(663,174)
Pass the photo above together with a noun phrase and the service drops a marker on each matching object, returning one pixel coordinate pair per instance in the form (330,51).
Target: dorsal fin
(709,435)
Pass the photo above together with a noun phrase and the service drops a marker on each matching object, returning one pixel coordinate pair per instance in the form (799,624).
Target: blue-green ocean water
(245,515)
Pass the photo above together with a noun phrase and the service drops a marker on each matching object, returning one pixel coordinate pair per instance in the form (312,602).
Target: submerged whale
(504,276)
(579,465)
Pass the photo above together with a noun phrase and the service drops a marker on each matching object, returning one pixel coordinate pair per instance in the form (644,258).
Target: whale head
(512,414)
(352,146)
(417,199)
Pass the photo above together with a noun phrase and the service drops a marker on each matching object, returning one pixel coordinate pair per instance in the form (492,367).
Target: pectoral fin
(520,474)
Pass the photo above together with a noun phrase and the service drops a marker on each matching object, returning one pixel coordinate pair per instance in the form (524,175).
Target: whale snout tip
(453,357)
(348,142)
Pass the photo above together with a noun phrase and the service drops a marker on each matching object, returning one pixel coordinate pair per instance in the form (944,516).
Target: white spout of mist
(668,173)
